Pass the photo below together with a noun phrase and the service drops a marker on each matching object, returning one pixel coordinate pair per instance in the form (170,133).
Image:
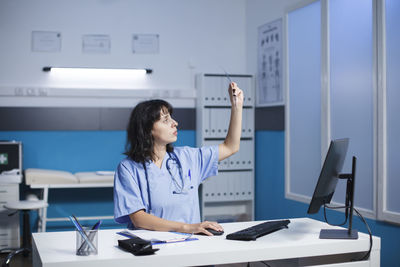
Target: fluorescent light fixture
(96,71)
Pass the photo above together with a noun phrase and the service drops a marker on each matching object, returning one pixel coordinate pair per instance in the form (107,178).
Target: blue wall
(102,150)
(270,190)
(76,151)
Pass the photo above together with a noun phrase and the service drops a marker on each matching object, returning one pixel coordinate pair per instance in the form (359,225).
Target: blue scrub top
(131,193)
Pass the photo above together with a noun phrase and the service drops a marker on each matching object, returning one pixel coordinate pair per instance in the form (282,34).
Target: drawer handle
(3,202)
(3,234)
(3,191)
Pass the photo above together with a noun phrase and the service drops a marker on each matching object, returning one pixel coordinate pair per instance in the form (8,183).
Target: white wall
(206,34)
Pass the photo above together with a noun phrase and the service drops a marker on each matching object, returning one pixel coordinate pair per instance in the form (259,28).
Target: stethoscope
(174,159)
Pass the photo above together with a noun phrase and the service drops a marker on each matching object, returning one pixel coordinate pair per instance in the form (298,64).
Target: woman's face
(164,130)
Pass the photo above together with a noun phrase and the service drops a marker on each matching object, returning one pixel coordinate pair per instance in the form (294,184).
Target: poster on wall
(96,44)
(269,69)
(43,41)
(145,43)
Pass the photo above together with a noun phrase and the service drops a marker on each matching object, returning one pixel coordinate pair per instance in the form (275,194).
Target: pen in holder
(86,239)
(87,246)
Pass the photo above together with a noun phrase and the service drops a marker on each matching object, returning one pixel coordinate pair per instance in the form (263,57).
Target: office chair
(25,206)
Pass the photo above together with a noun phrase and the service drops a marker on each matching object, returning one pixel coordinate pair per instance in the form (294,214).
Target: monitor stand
(338,234)
(342,233)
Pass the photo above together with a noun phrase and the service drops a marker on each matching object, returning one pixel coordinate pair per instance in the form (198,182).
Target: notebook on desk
(158,237)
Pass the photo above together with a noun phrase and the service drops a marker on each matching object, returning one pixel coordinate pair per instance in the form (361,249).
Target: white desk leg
(40,214)
(44,211)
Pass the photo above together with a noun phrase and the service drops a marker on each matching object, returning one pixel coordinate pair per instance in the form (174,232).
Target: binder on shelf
(209,188)
(241,163)
(236,160)
(238,186)
(241,182)
(248,187)
(219,187)
(225,164)
(206,189)
(244,180)
(232,182)
(214,122)
(209,87)
(250,122)
(221,121)
(218,124)
(225,189)
(207,123)
(247,123)
(247,83)
(230,185)
(247,154)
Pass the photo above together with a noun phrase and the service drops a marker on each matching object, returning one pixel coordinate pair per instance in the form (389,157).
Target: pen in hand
(234,96)
(233,89)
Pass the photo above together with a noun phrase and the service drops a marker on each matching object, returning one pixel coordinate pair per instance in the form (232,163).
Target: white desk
(294,246)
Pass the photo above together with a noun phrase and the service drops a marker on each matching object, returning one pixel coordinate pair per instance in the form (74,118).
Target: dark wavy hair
(140,142)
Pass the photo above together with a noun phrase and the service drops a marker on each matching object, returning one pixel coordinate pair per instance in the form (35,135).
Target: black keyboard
(253,232)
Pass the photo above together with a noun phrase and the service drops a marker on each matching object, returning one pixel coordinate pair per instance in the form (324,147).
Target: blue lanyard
(175,159)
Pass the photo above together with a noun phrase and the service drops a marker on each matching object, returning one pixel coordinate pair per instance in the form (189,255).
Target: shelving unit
(229,196)
(9,225)
(10,160)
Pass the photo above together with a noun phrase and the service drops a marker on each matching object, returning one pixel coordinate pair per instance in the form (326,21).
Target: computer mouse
(215,232)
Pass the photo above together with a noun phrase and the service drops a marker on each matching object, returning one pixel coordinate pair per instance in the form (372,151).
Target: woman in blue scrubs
(156,185)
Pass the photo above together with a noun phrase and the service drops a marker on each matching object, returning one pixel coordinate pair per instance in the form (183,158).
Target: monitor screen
(328,177)
(9,156)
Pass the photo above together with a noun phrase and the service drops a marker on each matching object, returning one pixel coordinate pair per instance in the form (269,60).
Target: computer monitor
(10,157)
(326,185)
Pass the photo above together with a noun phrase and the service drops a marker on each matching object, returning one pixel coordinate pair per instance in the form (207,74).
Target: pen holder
(87,244)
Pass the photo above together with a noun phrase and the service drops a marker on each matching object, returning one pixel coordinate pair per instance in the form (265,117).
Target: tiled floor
(17,261)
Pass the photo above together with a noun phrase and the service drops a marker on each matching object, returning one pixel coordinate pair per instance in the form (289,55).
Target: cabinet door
(9,228)
(8,192)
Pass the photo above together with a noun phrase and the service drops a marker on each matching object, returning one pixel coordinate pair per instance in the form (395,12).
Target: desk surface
(299,241)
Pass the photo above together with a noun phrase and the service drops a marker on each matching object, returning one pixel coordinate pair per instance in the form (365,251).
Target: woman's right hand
(236,95)
(197,228)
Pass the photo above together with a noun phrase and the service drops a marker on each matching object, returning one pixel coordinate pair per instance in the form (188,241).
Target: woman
(156,186)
